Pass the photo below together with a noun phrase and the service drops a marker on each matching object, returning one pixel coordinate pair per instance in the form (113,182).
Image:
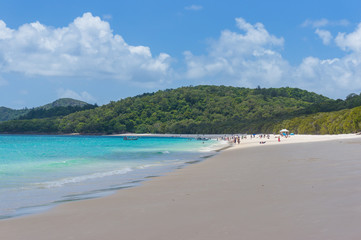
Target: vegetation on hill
(352,100)
(60,107)
(344,121)
(200,110)
(9,114)
(37,113)
(65,102)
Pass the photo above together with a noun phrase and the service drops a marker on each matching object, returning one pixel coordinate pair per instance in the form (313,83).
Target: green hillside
(204,109)
(9,114)
(65,102)
(200,109)
(57,109)
(60,107)
(344,121)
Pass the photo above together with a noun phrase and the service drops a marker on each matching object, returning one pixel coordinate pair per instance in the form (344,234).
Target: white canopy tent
(284,132)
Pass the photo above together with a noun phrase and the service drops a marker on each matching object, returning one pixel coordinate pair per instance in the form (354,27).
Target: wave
(214,147)
(78,179)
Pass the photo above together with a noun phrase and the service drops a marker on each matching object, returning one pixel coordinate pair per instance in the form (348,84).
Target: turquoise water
(39,171)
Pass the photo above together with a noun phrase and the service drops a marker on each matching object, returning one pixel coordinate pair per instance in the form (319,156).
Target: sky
(102,51)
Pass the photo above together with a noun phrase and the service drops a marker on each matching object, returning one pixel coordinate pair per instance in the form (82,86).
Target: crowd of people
(236,139)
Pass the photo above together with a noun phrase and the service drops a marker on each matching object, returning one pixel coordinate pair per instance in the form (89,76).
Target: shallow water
(39,171)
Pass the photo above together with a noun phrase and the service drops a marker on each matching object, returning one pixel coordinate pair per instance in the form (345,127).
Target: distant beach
(303,187)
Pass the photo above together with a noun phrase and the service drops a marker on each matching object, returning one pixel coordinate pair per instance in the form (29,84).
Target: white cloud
(5,33)
(315,23)
(325,35)
(86,48)
(194,8)
(330,76)
(336,75)
(83,96)
(351,41)
(253,58)
(324,22)
(240,58)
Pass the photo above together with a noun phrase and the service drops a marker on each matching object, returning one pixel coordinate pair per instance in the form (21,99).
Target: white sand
(307,190)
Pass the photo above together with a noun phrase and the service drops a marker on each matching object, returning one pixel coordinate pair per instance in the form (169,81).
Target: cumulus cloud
(86,48)
(250,56)
(335,75)
(194,8)
(253,57)
(83,96)
(325,35)
(5,32)
(351,41)
(330,76)
(244,57)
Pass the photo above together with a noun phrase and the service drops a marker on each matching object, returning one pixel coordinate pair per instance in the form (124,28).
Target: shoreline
(305,137)
(171,196)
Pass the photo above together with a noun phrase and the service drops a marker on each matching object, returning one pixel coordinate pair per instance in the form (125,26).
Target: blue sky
(100,51)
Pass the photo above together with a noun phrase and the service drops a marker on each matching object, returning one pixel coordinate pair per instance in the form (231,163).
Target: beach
(303,187)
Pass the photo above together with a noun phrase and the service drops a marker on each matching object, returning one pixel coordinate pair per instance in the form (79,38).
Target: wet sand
(304,190)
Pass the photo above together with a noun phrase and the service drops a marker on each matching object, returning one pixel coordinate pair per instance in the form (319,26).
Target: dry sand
(307,190)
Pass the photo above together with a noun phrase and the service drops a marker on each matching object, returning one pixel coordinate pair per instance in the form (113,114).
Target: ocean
(38,172)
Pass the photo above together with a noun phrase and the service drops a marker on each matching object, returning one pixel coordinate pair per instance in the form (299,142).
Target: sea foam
(78,179)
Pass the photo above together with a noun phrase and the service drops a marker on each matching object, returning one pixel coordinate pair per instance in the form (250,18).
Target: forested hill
(200,109)
(343,121)
(65,102)
(60,107)
(9,114)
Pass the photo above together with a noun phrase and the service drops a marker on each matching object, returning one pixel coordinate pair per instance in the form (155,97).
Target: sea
(39,172)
